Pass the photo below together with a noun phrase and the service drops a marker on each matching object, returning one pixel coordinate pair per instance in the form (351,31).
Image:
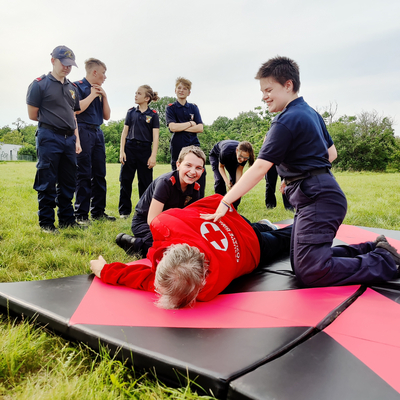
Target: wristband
(225,203)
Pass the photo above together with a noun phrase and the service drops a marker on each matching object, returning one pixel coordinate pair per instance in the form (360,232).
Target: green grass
(35,363)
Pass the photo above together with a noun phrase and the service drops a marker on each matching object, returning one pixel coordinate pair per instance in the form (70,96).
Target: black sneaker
(393,252)
(49,229)
(83,221)
(126,242)
(103,216)
(381,238)
(73,224)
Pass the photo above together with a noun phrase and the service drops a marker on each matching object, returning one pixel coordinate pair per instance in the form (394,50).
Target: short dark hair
(281,69)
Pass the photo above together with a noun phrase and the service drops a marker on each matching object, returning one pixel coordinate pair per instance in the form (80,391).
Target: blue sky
(348,51)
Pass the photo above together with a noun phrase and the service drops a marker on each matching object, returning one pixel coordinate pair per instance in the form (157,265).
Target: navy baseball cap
(65,55)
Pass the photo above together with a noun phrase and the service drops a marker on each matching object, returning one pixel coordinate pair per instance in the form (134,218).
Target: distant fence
(6,157)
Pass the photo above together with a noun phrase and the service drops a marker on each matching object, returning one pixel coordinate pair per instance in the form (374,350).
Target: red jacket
(230,245)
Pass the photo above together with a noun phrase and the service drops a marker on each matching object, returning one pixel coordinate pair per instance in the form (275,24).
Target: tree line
(364,142)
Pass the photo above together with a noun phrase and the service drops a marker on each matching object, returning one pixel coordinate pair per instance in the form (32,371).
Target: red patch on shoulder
(170,104)
(38,79)
(154,111)
(197,186)
(80,81)
(173,180)
(74,84)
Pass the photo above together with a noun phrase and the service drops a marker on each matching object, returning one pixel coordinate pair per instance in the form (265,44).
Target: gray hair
(180,276)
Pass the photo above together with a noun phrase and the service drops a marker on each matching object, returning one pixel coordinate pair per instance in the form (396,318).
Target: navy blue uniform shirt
(167,190)
(141,125)
(176,112)
(225,151)
(93,115)
(297,141)
(56,101)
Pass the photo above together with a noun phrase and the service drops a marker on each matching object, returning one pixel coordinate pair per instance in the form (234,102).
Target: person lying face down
(192,259)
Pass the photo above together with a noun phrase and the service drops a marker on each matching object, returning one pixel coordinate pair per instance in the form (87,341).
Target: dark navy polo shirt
(176,112)
(225,151)
(297,141)
(93,115)
(56,101)
(141,125)
(167,190)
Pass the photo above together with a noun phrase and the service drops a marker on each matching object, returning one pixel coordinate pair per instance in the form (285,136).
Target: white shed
(9,152)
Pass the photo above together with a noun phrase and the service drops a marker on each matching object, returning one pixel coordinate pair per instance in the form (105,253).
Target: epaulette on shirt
(154,111)
(74,84)
(170,104)
(80,81)
(40,78)
(197,186)
(173,180)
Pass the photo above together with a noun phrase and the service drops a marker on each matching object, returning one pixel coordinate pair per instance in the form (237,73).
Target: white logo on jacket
(213,234)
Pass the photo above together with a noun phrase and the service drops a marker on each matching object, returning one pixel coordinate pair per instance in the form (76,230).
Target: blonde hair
(180,276)
(91,63)
(197,151)
(149,93)
(184,82)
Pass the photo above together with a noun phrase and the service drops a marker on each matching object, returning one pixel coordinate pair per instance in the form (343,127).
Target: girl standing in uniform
(139,145)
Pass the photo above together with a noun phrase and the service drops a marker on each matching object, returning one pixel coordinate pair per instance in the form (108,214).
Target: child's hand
(97,265)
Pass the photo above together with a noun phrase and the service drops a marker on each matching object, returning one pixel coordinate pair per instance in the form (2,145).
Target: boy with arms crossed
(184,121)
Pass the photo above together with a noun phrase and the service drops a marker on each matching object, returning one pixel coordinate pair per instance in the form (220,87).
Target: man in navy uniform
(184,121)
(91,186)
(52,101)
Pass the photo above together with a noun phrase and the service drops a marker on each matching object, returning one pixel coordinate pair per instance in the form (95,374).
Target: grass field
(36,364)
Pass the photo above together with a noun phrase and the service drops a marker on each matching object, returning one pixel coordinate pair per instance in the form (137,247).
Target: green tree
(13,137)
(112,132)
(163,153)
(112,153)
(28,150)
(5,129)
(160,106)
(28,133)
(365,142)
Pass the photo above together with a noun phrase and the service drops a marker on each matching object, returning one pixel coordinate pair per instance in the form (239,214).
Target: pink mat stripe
(114,305)
(370,329)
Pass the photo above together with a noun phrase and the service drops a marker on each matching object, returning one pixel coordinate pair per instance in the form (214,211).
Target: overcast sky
(348,50)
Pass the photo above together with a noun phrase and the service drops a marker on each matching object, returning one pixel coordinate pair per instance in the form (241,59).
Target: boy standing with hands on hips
(299,144)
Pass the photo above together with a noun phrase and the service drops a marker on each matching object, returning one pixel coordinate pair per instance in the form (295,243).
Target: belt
(65,132)
(313,172)
(89,125)
(138,141)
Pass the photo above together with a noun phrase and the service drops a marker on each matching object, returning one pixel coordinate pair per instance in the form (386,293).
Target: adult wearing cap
(91,186)
(52,101)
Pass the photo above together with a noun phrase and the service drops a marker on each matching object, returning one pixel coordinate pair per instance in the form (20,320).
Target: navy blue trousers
(137,155)
(320,209)
(91,186)
(55,176)
(271,178)
(272,243)
(219,183)
(184,139)
(143,236)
